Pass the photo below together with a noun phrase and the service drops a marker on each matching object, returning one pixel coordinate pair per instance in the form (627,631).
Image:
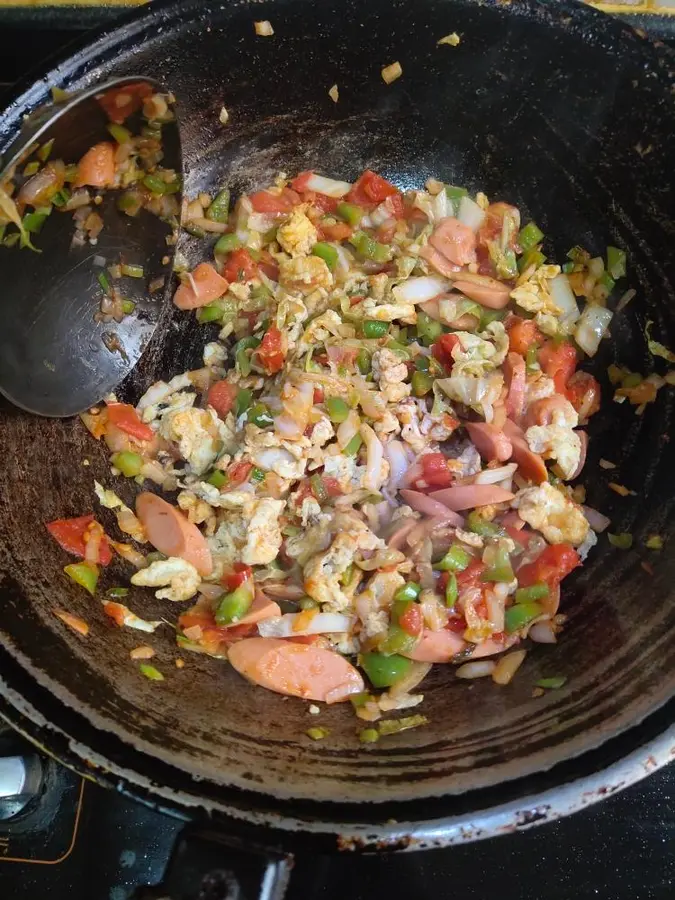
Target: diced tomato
(523,334)
(97,166)
(411,620)
(301,182)
(493,224)
(354,301)
(558,362)
(442,349)
(237,576)
(115,611)
(395,204)
(240,266)
(338,232)
(271,352)
(238,473)
(69,535)
(435,470)
(583,392)
(222,396)
(119,103)
(318,396)
(331,486)
(457,624)
(125,417)
(265,202)
(322,202)
(551,566)
(370,189)
(470,577)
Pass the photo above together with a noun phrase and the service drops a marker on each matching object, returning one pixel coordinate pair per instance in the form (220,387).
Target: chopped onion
(592,327)
(100,262)
(334,93)
(398,463)
(470,214)
(392,72)
(374,457)
(321,623)
(563,297)
(595,519)
(494,476)
(507,666)
(381,214)
(542,633)
(479,669)
(415,674)
(625,299)
(347,429)
(441,207)
(328,186)
(421,289)
(263,29)
(211,591)
(382,559)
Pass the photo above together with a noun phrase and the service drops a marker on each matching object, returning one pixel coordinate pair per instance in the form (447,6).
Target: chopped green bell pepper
(85,574)
(384,671)
(219,209)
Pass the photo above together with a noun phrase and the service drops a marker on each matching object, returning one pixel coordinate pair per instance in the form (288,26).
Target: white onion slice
(479,669)
(328,186)
(563,297)
(595,519)
(321,623)
(441,206)
(421,289)
(495,476)
(591,327)
(470,213)
(542,633)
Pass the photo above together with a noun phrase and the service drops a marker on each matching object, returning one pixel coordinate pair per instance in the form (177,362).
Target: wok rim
(79,61)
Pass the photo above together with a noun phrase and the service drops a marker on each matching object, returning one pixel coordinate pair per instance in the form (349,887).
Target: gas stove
(62,836)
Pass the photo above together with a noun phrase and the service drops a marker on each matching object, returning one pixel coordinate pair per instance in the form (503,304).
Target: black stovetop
(80,842)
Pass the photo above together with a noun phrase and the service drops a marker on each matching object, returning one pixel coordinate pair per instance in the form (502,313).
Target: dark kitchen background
(67,838)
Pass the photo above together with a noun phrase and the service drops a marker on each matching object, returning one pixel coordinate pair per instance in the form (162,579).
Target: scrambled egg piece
(409,417)
(126,518)
(287,459)
(297,236)
(391,372)
(290,316)
(533,294)
(553,514)
(263,532)
(372,604)
(197,432)
(159,393)
(345,470)
(214,354)
(328,324)
(198,510)
(384,312)
(387,424)
(314,540)
(556,442)
(181,577)
(305,274)
(538,387)
(323,572)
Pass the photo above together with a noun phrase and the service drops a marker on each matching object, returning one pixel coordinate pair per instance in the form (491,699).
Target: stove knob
(20,782)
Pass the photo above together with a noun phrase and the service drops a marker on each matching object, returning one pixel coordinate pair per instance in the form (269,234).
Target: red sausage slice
(437,646)
(298,670)
(515,376)
(530,465)
(171,533)
(490,441)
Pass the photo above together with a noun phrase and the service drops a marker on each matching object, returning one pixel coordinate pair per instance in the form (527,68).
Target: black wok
(553,107)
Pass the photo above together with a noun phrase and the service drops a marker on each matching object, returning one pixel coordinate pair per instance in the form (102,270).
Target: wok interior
(527,109)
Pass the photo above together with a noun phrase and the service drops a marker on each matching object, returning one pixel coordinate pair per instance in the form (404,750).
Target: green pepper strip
(421,383)
(616,262)
(259,415)
(455,560)
(242,358)
(234,606)
(338,409)
(219,209)
(428,329)
(243,401)
(409,591)
(530,236)
(451,591)
(478,525)
(85,574)
(384,671)
(318,488)
(227,243)
(121,134)
(327,252)
(210,313)
(353,446)
(370,248)
(363,362)
(519,615)
(217,478)
(350,213)
(128,463)
(534,592)
(553,683)
(374,329)
(151,672)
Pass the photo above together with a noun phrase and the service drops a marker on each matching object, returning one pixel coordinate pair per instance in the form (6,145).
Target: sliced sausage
(97,166)
(456,242)
(437,261)
(428,507)
(204,286)
(468,496)
(583,437)
(530,465)
(298,670)
(490,441)
(494,295)
(515,377)
(554,410)
(437,646)
(171,533)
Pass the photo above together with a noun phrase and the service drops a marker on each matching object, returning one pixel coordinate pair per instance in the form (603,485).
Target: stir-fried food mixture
(371,472)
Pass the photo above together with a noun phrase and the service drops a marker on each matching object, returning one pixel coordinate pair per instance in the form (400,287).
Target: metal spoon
(54,356)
